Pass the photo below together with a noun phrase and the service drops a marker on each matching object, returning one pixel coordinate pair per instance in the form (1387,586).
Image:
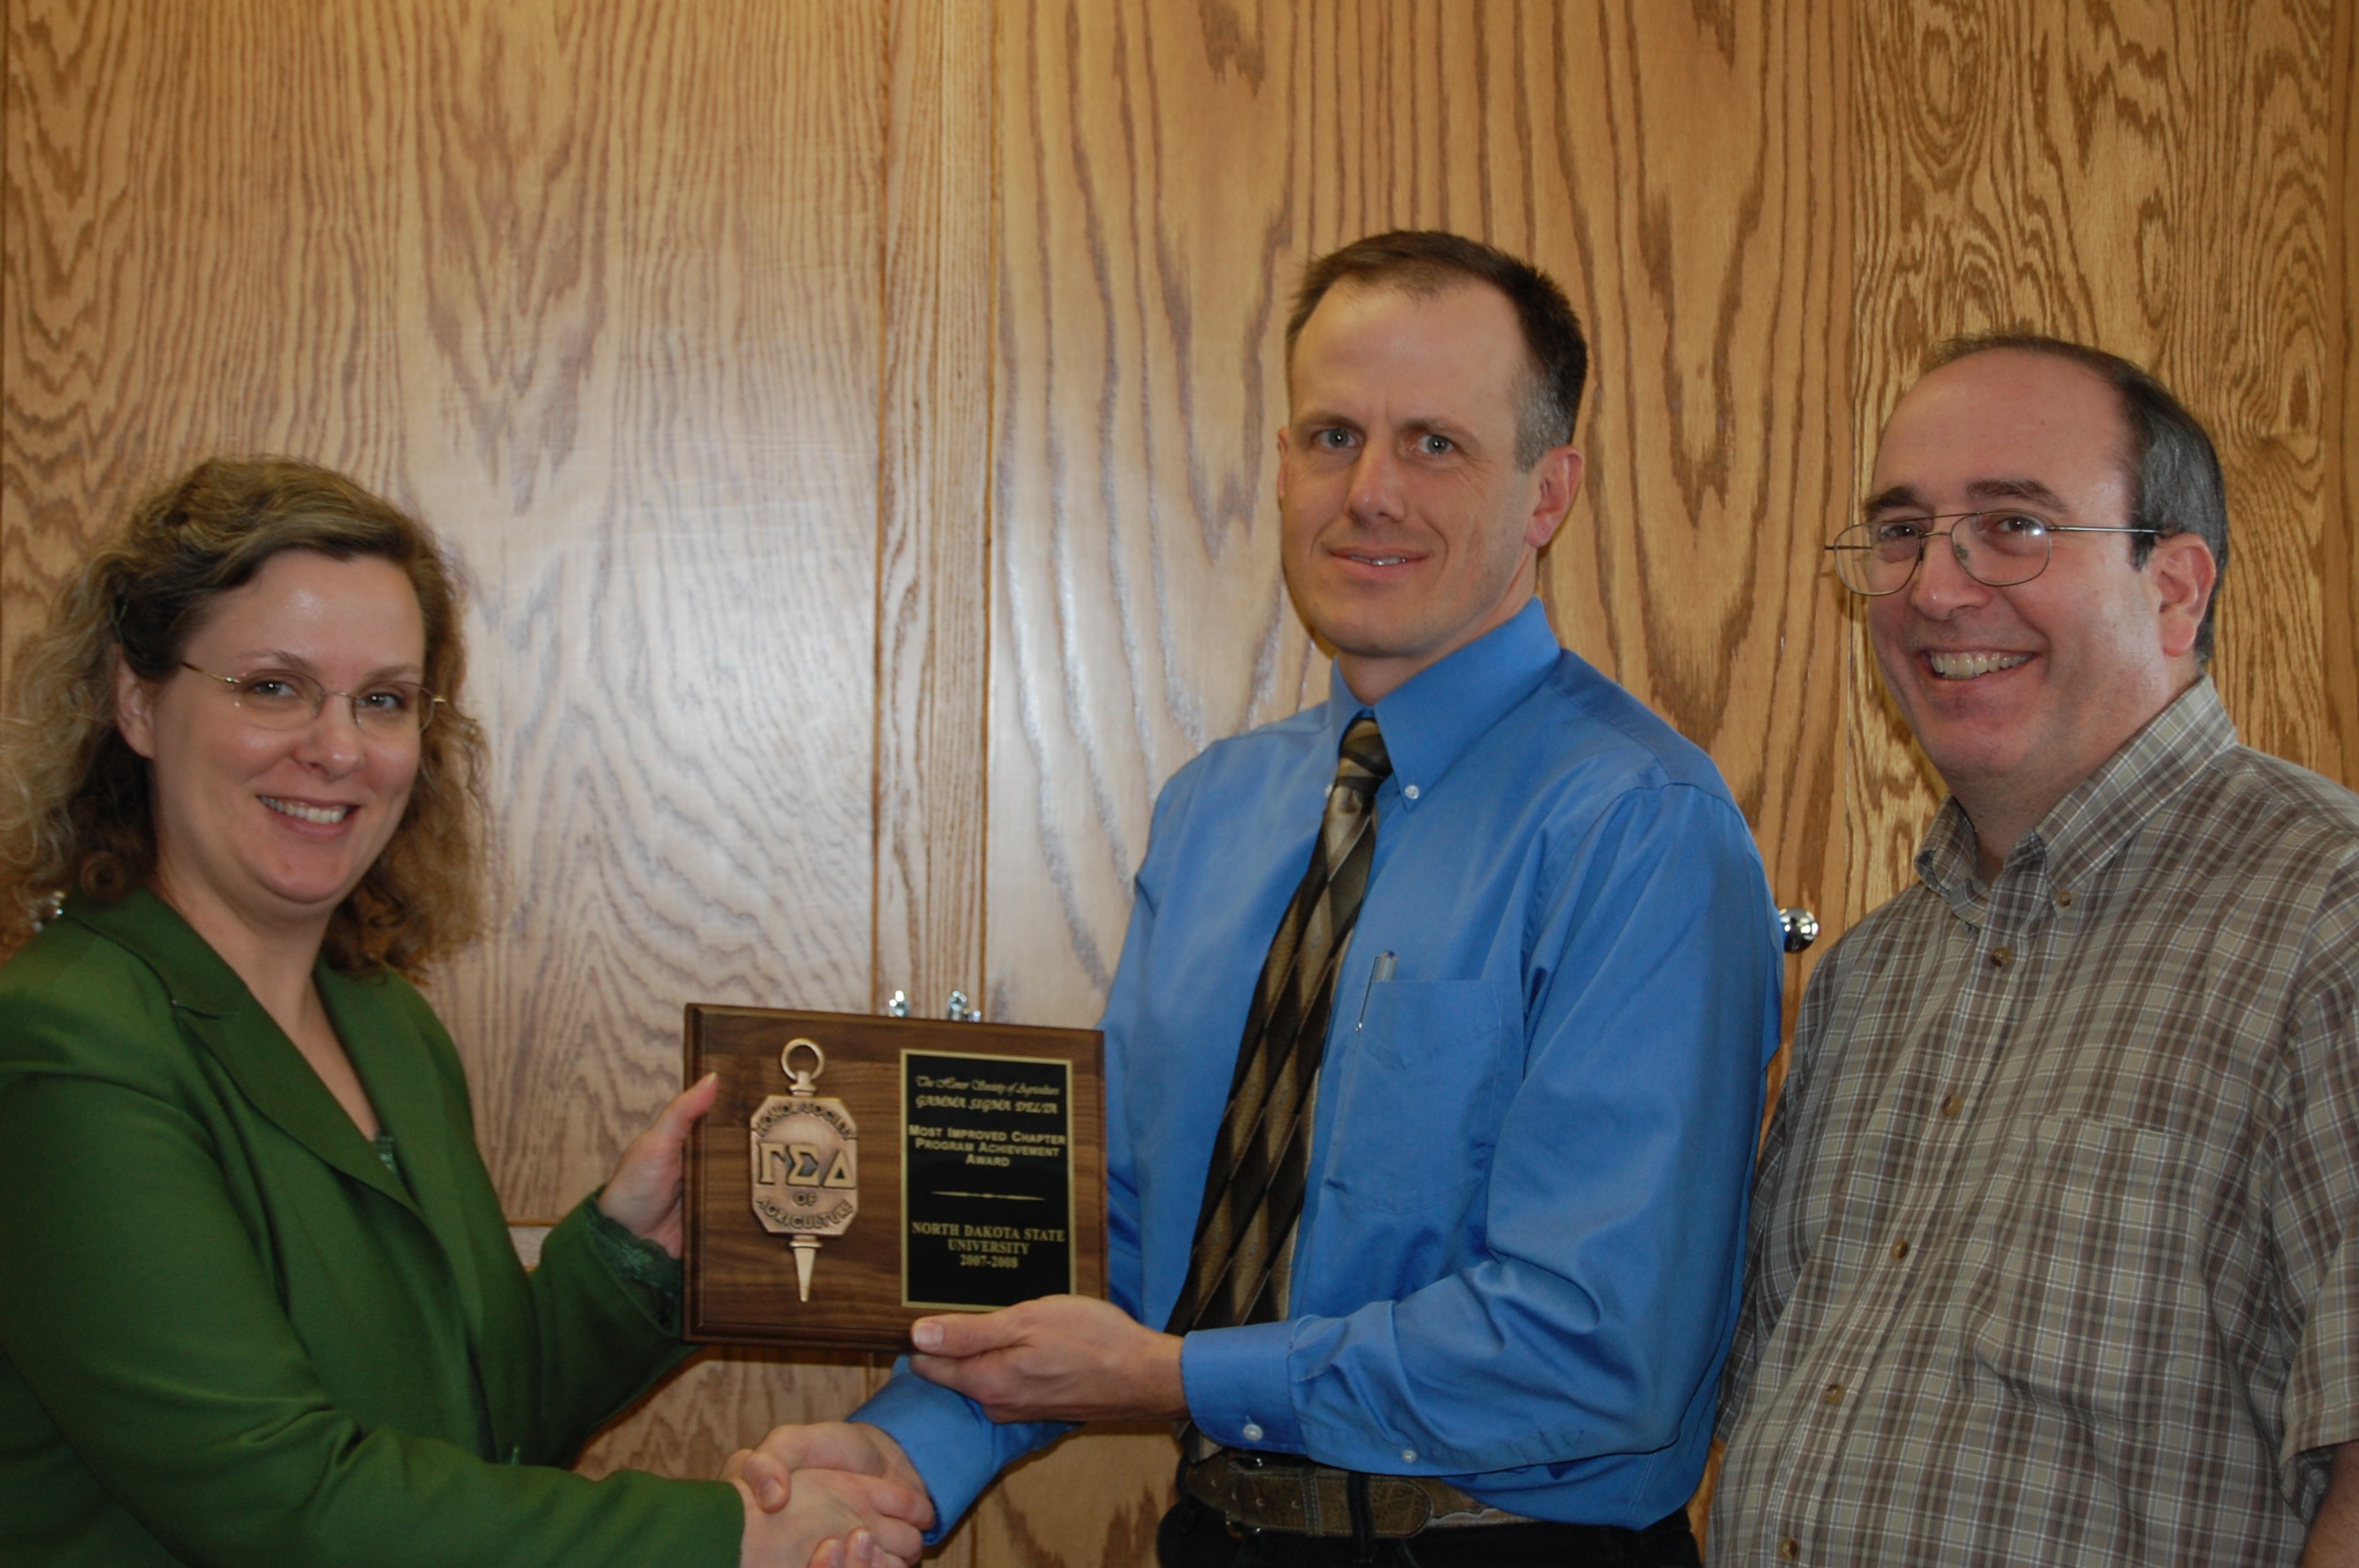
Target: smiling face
(1407,528)
(2017,694)
(261,833)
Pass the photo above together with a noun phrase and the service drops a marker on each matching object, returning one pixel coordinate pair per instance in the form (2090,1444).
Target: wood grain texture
(1137,613)
(596,290)
(2153,177)
(588,291)
(686,652)
(933,491)
(2338,561)
(1091,1499)
(1696,163)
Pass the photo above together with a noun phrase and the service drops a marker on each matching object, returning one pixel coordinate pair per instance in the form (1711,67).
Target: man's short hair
(2174,473)
(1427,261)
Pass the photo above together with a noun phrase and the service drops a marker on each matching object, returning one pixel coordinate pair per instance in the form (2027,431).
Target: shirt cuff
(652,1274)
(1239,1391)
(955,1448)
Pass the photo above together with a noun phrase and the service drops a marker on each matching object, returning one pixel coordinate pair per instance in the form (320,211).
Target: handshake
(843,1495)
(831,1495)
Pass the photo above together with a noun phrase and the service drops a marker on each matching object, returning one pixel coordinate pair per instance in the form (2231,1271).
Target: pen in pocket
(1382,969)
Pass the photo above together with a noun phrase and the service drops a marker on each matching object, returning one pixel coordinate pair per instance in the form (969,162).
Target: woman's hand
(643,1196)
(834,1520)
(854,1447)
(804,1511)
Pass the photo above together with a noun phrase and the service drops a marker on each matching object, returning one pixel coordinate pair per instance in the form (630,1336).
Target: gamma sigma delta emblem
(806,1162)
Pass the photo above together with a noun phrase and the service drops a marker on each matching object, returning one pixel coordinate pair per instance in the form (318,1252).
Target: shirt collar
(2084,829)
(1430,718)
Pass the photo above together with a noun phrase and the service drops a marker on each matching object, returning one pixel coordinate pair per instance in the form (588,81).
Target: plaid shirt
(2049,1258)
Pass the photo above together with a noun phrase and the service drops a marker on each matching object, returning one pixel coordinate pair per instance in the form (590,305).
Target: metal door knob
(1802,928)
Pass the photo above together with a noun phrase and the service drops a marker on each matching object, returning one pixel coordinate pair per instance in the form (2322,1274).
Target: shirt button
(1900,1249)
(1951,1104)
(2063,898)
(1788,1550)
(2001,957)
(1834,1395)
(1252,1432)
(1409,1456)
(1410,790)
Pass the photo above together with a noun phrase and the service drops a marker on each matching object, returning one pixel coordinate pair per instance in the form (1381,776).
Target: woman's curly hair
(75,807)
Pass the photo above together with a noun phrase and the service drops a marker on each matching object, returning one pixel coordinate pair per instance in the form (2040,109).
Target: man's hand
(851,1448)
(643,1196)
(1057,1358)
(2334,1533)
(835,1520)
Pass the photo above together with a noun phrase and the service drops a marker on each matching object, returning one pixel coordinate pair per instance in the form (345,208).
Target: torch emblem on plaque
(806,1162)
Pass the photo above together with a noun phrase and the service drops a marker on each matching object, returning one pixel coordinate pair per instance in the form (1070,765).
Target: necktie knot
(1362,761)
(1361,765)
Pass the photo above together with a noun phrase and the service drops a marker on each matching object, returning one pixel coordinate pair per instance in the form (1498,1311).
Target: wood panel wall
(2339,562)
(858,421)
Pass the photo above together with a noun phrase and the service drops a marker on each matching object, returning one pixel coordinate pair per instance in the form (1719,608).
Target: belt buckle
(1280,1493)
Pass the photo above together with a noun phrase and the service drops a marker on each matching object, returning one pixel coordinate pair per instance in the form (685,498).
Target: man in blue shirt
(1493,1300)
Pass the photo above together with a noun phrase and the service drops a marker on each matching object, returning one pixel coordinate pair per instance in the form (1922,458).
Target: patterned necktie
(1237,1270)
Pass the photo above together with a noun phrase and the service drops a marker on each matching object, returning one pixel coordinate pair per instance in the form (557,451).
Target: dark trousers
(1195,1536)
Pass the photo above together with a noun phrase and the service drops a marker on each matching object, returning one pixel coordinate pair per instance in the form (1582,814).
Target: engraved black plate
(987,1178)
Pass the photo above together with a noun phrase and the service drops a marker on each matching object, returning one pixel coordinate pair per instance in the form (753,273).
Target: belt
(1281,1492)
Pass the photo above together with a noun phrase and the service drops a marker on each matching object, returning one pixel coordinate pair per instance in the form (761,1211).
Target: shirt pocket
(2073,1302)
(1425,1089)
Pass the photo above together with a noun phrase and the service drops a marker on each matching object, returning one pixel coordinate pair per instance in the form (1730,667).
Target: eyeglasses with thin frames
(287,700)
(1999,549)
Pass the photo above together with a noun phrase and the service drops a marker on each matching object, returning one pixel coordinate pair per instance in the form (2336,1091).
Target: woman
(257,1300)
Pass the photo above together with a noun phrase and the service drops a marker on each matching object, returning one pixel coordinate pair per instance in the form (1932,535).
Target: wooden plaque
(916,1166)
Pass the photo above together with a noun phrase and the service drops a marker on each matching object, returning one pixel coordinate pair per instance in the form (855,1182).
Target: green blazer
(232,1336)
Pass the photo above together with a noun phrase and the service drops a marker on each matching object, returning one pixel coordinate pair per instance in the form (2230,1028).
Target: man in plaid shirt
(2051,1254)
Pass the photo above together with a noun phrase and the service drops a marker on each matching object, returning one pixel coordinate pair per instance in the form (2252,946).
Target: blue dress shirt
(1520,1248)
